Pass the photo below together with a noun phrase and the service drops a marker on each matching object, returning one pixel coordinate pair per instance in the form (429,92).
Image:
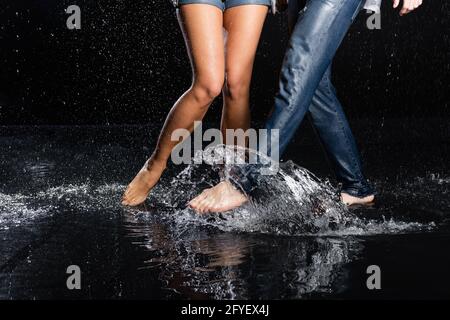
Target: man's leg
(315,39)
(332,127)
(305,85)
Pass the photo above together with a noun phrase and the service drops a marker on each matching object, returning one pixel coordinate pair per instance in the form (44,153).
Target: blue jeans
(305,86)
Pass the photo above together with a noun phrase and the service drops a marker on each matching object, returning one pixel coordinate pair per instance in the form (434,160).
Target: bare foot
(143,183)
(351,200)
(220,198)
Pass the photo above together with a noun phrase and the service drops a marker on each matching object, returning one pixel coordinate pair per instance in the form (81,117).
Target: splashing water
(291,202)
(60,198)
(18,209)
(14,210)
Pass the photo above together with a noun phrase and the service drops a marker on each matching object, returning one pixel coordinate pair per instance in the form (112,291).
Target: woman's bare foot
(351,200)
(222,197)
(143,183)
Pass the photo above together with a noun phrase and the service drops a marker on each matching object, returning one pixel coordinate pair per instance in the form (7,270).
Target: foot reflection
(205,263)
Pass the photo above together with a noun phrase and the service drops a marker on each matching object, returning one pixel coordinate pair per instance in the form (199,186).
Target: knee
(236,86)
(206,90)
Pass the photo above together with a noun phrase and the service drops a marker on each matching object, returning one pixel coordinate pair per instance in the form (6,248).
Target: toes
(132,201)
(201,206)
(209,207)
(128,202)
(204,205)
(196,201)
(197,198)
(193,205)
(125,200)
(214,204)
(126,194)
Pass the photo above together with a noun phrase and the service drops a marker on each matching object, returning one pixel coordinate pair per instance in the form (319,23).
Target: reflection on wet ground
(59,205)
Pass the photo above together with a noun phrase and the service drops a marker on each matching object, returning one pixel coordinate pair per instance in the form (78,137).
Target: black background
(128,63)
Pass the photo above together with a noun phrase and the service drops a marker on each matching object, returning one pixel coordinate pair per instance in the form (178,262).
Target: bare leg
(202,28)
(244,25)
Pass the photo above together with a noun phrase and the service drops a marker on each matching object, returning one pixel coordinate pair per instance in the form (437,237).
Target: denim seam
(355,165)
(347,140)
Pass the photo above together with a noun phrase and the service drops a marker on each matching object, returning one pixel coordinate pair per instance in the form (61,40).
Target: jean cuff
(242,178)
(359,189)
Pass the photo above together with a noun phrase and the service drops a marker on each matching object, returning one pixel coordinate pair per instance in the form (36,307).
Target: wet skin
(138,190)
(219,66)
(224,197)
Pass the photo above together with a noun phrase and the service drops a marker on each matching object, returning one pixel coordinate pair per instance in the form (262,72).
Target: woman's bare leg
(243,25)
(202,28)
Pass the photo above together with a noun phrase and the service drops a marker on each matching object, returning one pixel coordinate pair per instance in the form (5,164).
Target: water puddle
(291,203)
(293,240)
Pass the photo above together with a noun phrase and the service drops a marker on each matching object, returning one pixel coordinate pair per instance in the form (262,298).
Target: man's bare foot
(143,183)
(350,200)
(220,198)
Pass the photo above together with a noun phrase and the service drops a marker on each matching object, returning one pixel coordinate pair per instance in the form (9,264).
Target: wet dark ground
(60,189)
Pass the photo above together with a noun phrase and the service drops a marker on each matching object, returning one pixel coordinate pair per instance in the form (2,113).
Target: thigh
(202,29)
(218,3)
(243,25)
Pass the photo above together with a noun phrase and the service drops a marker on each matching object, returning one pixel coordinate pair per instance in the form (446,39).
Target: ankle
(153,163)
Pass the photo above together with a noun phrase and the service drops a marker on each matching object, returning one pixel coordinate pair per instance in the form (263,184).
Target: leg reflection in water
(196,262)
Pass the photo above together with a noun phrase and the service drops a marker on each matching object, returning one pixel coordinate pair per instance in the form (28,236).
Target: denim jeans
(305,86)
(225,4)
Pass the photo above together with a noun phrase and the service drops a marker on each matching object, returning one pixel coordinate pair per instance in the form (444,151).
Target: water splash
(14,210)
(291,202)
(18,209)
